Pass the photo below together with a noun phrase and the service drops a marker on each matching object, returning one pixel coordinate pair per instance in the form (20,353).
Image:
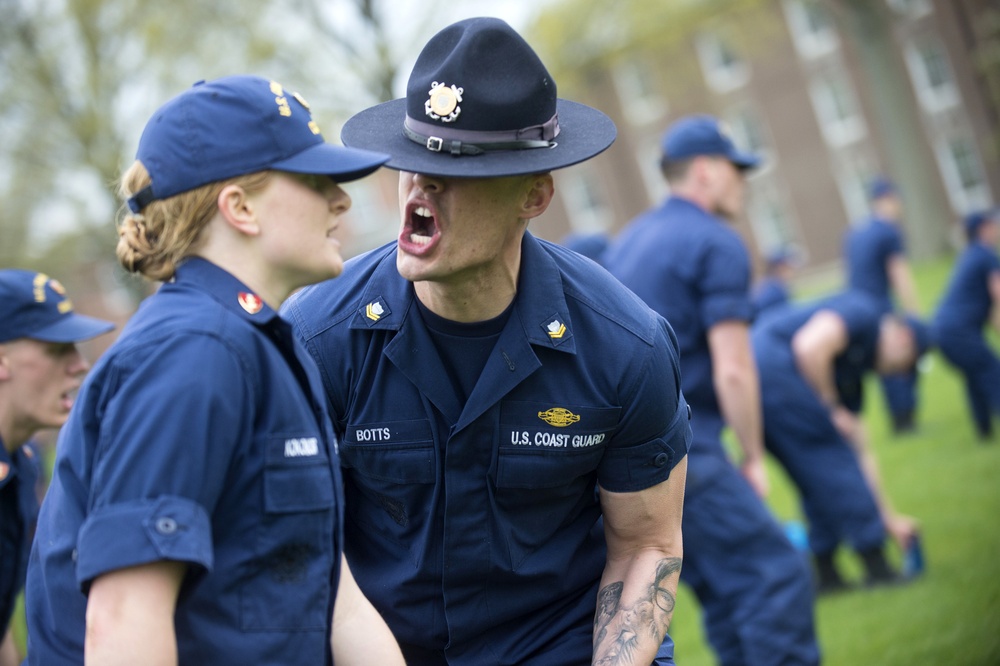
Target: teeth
(422,211)
(420,240)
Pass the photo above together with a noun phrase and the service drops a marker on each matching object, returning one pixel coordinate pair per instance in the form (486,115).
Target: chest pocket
(546,470)
(295,542)
(396,452)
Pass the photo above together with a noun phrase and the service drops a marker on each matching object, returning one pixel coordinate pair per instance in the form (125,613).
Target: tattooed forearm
(620,631)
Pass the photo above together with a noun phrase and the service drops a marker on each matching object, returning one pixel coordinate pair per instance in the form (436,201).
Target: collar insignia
(250,302)
(556,329)
(442,103)
(4,469)
(559,417)
(374,310)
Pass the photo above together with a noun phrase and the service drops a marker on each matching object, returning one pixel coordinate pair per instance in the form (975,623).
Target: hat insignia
(442,103)
(250,302)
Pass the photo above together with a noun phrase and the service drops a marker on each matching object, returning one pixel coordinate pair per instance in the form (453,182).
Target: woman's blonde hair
(155,240)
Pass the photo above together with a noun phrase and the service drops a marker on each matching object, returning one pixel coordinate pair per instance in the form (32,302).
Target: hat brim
(744,161)
(75,328)
(583,133)
(339,163)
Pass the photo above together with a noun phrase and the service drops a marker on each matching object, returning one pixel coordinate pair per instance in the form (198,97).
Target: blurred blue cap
(33,305)
(782,255)
(880,186)
(234,126)
(692,136)
(974,220)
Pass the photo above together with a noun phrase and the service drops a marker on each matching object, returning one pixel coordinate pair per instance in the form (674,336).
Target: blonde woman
(195,514)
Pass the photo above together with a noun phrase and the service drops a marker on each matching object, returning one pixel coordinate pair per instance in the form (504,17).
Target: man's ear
(4,363)
(238,210)
(539,196)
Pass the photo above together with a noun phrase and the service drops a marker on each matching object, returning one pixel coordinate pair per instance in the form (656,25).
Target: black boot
(879,571)
(828,579)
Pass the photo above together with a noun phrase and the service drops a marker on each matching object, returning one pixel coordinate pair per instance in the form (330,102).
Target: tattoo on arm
(644,621)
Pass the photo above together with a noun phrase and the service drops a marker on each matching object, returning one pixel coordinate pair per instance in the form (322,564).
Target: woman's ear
(237,209)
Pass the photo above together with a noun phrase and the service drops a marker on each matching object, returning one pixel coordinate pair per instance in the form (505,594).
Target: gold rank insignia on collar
(375,310)
(556,329)
(250,302)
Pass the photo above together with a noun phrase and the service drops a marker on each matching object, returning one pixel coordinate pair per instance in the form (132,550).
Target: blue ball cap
(974,220)
(33,305)
(880,186)
(235,126)
(692,136)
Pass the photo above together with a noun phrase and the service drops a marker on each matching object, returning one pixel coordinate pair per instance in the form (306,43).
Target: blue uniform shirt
(18,511)
(695,271)
(867,248)
(199,437)
(965,306)
(474,526)
(770,293)
(861,315)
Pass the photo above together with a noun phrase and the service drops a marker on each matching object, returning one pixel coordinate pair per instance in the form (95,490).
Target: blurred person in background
(685,261)
(195,514)
(875,257)
(591,245)
(971,301)
(41,369)
(773,290)
(812,360)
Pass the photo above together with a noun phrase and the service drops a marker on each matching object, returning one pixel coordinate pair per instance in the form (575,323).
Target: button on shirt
(199,437)
(694,270)
(867,248)
(473,526)
(18,511)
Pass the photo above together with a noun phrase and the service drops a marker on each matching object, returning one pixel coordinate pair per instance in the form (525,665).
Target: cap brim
(74,328)
(338,162)
(744,161)
(583,133)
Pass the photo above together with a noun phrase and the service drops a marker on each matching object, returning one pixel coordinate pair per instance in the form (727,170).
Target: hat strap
(473,142)
(141,199)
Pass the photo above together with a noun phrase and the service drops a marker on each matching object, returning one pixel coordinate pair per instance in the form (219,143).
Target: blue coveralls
(474,525)
(798,431)
(754,588)
(199,437)
(961,315)
(769,294)
(867,248)
(18,511)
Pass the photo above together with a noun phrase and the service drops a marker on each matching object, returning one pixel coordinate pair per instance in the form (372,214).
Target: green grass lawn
(950,482)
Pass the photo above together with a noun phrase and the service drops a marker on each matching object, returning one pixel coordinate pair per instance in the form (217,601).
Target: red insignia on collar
(250,302)
(4,469)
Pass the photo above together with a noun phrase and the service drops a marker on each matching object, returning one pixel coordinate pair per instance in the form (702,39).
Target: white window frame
(933,99)
(962,198)
(639,99)
(838,129)
(720,75)
(770,214)
(810,42)
(738,118)
(649,155)
(853,170)
(911,8)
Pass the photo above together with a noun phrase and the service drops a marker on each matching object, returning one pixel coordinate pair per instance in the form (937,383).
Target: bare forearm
(8,651)
(903,284)
(738,393)
(634,608)
(360,635)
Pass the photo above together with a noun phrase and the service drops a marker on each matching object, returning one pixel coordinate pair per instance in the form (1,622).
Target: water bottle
(913,558)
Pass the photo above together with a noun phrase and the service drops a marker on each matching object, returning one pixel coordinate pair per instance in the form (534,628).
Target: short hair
(675,170)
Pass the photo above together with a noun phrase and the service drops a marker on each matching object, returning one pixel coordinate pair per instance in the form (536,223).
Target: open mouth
(67,398)
(421,230)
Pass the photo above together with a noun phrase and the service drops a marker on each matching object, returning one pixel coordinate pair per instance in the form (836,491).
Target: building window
(963,174)
(837,109)
(750,133)
(586,200)
(854,170)
(640,99)
(931,75)
(911,8)
(649,156)
(812,29)
(722,66)
(769,216)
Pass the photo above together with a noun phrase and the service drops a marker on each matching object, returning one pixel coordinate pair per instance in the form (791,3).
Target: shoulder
(600,297)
